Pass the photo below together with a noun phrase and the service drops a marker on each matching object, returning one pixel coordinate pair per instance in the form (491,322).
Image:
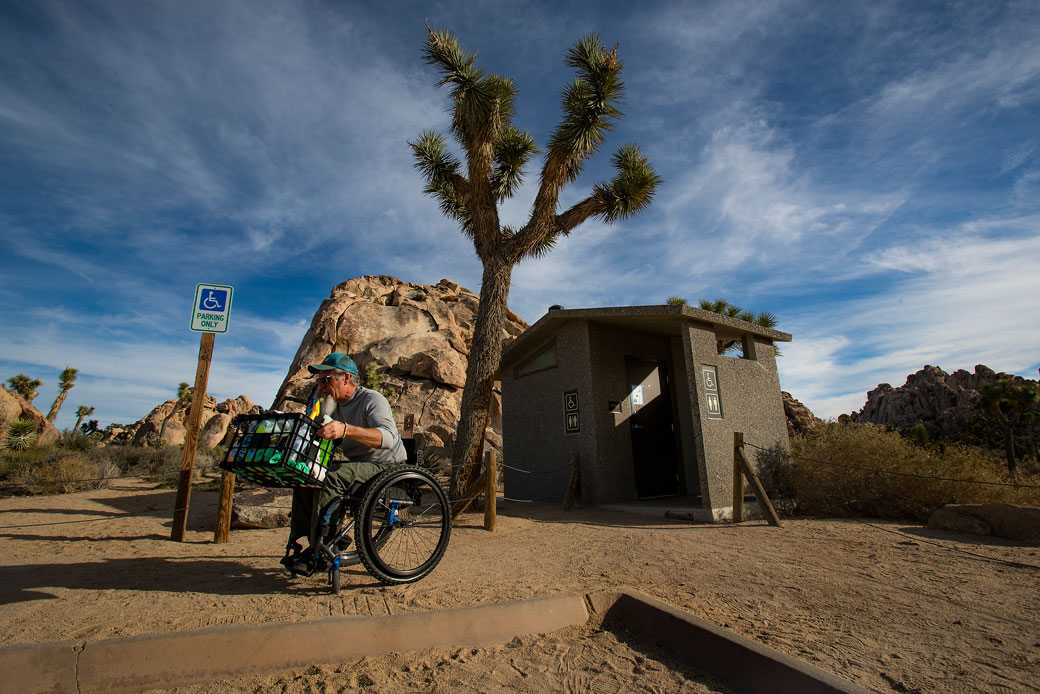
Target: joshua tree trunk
(1009,448)
(485,354)
(53,414)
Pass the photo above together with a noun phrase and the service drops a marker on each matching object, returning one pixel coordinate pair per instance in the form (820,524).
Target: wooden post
(222,533)
(491,490)
(191,437)
(756,484)
(738,479)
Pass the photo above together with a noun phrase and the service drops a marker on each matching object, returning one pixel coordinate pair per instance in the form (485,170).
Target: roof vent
(556,307)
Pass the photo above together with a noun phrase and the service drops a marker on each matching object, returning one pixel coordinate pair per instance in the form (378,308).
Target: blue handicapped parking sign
(211,308)
(213,300)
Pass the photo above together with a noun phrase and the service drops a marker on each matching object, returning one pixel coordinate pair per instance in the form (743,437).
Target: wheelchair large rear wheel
(403,525)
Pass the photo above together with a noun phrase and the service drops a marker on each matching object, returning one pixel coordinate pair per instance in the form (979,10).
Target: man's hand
(333,430)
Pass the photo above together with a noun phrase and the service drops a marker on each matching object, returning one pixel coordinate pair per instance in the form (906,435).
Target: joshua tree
(495,156)
(183,400)
(25,386)
(1008,404)
(66,380)
(81,412)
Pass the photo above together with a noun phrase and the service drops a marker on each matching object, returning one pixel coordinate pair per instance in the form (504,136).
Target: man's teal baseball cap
(336,360)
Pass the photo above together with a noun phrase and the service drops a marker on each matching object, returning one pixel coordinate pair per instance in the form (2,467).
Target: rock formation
(799,418)
(13,406)
(215,421)
(416,336)
(947,404)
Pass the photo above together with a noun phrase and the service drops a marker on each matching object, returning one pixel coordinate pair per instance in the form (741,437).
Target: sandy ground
(890,606)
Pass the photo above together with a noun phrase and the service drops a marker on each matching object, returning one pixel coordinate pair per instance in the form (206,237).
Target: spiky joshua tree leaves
(25,386)
(66,380)
(496,153)
(81,412)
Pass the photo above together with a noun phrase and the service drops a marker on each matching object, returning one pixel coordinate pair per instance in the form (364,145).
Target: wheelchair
(399,523)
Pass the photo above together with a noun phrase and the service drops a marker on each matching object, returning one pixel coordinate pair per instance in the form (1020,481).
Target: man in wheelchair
(368,438)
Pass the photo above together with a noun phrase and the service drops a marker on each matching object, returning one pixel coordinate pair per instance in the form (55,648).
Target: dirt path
(879,604)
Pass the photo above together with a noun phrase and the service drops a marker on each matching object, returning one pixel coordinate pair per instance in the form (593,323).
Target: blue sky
(868,172)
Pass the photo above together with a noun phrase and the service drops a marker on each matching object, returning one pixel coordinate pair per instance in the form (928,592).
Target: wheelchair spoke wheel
(403,525)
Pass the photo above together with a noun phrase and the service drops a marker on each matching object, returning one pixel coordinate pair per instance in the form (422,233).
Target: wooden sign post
(191,437)
(210,314)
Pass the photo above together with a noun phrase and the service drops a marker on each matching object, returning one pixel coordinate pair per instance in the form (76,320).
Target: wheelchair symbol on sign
(213,300)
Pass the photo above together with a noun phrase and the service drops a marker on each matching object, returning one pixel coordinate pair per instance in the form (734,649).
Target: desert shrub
(161,465)
(57,469)
(77,441)
(59,472)
(771,466)
(840,470)
(20,434)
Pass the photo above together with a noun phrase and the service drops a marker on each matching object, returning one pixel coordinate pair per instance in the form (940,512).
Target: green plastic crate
(278,450)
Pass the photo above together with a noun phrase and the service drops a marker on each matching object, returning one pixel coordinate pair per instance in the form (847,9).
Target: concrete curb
(168,660)
(746,665)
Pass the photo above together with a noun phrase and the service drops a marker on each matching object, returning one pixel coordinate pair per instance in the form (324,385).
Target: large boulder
(416,337)
(255,509)
(13,407)
(999,520)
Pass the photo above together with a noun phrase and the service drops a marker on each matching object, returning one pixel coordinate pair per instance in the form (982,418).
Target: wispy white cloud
(952,300)
(749,200)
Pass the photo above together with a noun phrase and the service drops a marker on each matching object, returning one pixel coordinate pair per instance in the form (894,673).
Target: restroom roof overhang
(664,320)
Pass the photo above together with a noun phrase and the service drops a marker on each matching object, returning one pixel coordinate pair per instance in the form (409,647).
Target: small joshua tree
(66,380)
(25,386)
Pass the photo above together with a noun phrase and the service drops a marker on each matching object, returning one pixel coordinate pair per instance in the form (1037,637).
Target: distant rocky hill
(947,404)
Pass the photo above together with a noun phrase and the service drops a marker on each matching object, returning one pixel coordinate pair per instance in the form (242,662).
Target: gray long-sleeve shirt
(368,408)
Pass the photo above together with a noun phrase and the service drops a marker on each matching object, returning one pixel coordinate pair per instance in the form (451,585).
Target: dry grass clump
(841,470)
(60,472)
(60,469)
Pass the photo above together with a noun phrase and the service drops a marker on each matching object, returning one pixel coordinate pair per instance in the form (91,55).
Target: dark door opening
(654,452)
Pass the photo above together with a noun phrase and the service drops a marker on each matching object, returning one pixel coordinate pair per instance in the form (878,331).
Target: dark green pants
(307,503)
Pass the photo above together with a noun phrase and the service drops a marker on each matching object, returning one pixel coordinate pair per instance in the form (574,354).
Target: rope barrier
(901,474)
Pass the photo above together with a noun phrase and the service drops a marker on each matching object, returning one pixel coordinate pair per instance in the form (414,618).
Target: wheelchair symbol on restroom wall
(709,379)
(213,300)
